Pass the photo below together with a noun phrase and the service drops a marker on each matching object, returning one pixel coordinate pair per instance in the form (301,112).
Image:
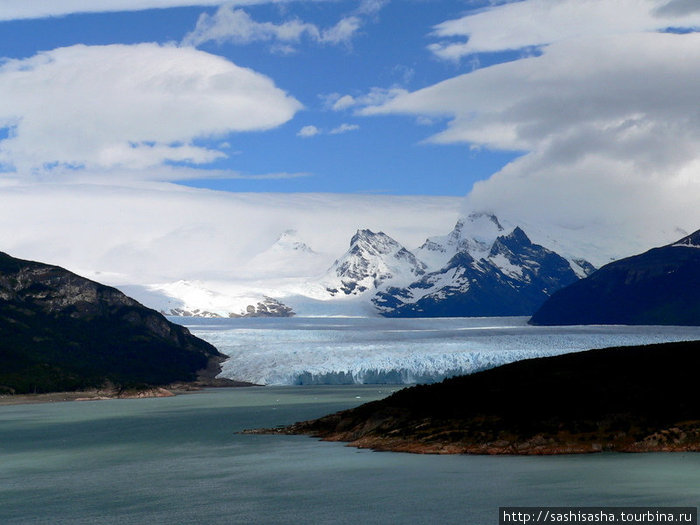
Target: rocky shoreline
(675,439)
(104,394)
(206,379)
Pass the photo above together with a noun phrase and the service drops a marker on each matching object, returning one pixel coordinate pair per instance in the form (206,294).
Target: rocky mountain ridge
(61,331)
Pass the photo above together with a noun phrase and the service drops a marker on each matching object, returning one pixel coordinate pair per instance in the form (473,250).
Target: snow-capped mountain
(509,276)
(484,266)
(476,234)
(290,241)
(289,256)
(372,260)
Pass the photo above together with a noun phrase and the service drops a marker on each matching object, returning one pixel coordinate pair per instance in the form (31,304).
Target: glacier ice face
(399,351)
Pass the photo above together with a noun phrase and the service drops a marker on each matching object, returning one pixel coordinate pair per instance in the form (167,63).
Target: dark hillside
(661,286)
(60,331)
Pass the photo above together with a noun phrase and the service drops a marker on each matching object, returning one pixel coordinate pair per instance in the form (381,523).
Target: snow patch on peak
(506,266)
(207,299)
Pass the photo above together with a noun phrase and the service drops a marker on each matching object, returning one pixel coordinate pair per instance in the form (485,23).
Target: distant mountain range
(512,276)
(661,286)
(62,332)
(481,268)
(478,269)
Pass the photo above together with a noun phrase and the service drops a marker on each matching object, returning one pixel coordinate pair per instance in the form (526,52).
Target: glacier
(299,351)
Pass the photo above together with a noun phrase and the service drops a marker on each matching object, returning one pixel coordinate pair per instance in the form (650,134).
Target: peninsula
(627,399)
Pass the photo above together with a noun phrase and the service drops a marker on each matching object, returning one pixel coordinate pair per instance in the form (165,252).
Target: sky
(580,114)
(289,121)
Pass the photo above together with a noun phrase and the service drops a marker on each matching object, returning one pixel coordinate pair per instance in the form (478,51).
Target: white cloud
(129,106)
(158,232)
(518,25)
(344,128)
(311,131)
(342,32)
(371,7)
(343,102)
(308,131)
(375,97)
(20,9)
(609,127)
(235,25)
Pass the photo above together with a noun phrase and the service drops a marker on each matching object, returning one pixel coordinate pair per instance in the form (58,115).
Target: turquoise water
(180,460)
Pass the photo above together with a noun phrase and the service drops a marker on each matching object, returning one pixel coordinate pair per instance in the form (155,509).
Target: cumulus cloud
(518,25)
(678,8)
(341,102)
(342,32)
(308,131)
(312,131)
(129,106)
(609,128)
(228,24)
(344,128)
(376,96)
(371,7)
(237,26)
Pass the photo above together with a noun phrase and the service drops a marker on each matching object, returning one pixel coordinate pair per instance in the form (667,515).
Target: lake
(180,460)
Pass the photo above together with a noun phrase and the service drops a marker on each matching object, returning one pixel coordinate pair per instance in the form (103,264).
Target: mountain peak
(378,243)
(474,233)
(657,287)
(519,236)
(487,217)
(290,240)
(369,236)
(692,240)
(372,259)
(362,234)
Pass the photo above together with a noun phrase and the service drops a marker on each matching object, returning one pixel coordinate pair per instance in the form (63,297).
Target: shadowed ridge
(60,331)
(656,287)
